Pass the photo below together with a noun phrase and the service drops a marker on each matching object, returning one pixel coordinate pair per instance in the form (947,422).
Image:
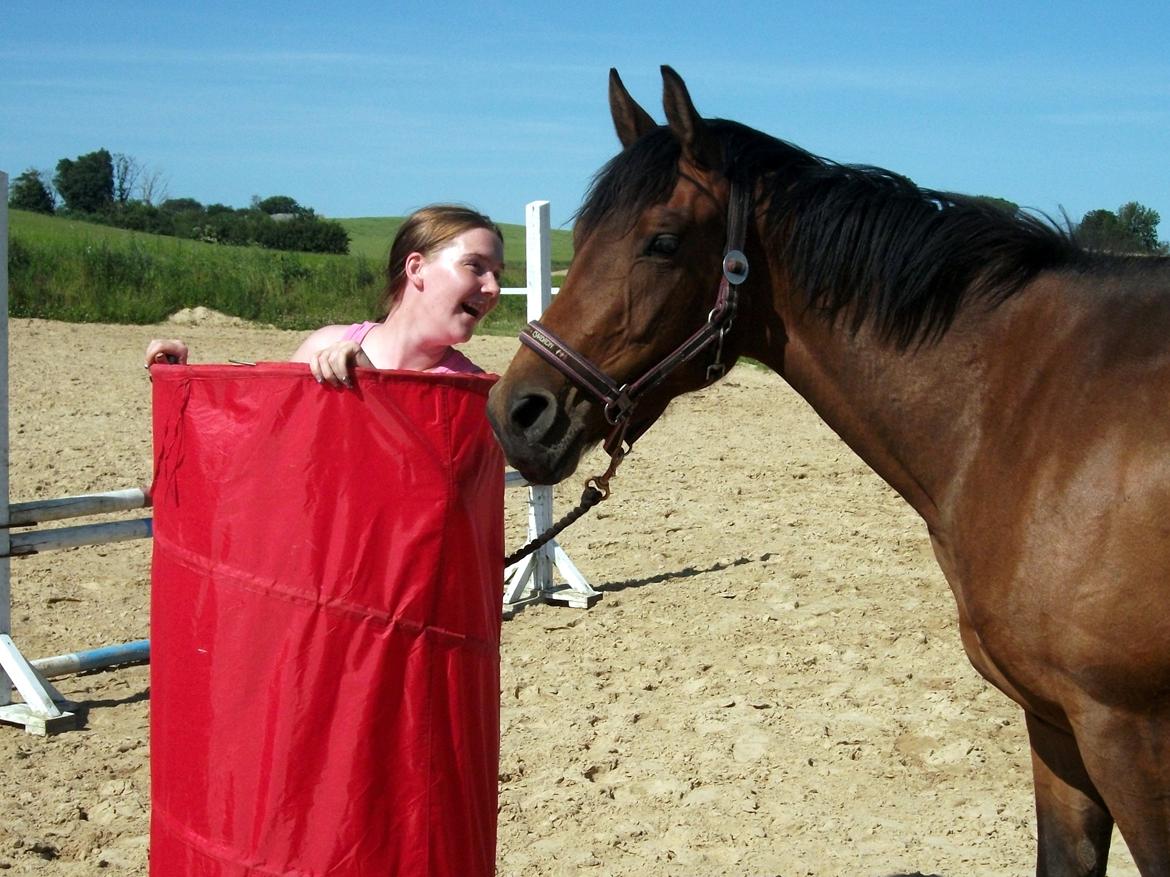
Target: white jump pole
(27,514)
(137,652)
(36,541)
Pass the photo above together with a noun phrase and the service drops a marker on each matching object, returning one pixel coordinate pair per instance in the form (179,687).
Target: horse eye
(663,245)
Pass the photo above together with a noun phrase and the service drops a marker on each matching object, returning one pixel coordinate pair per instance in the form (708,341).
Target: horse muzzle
(540,439)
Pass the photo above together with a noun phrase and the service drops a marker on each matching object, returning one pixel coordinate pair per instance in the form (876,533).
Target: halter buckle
(717,369)
(618,407)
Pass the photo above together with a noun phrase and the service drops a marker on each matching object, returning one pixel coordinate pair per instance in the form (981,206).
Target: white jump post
(40,711)
(531,580)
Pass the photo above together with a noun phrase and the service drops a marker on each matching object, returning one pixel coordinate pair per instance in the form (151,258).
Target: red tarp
(325,624)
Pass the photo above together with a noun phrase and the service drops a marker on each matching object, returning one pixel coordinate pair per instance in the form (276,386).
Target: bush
(140,216)
(181,205)
(306,234)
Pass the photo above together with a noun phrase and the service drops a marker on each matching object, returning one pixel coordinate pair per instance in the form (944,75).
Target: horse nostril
(533,414)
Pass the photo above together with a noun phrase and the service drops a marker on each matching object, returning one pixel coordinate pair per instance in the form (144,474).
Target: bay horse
(1011,386)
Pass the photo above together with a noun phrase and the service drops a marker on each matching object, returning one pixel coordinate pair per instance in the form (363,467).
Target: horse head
(649,247)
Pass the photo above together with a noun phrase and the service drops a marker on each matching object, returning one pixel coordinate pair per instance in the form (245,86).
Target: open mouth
(473,310)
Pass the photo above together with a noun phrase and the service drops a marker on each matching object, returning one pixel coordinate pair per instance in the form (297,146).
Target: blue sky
(370,109)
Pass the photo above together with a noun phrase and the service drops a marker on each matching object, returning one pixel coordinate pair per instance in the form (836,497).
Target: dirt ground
(772,684)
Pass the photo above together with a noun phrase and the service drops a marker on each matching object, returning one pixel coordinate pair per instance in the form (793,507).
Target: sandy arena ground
(772,685)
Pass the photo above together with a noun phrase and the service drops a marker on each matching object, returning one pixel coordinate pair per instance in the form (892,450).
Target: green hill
(81,272)
(371,236)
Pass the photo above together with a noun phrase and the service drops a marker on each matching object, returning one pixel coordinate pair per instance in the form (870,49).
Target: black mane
(857,240)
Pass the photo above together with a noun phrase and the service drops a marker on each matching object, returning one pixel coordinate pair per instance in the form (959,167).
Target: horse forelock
(851,238)
(632,181)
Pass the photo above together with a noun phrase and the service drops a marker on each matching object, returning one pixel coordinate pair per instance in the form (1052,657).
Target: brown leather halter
(619,401)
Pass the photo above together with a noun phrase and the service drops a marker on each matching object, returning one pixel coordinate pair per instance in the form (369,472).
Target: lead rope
(589,498)
(596,491)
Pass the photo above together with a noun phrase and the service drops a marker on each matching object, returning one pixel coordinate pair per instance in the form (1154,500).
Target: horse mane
(860,242)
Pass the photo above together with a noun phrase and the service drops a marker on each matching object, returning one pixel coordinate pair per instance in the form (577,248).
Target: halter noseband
(619,401)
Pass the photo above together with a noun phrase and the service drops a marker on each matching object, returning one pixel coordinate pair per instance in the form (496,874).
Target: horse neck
(913,416)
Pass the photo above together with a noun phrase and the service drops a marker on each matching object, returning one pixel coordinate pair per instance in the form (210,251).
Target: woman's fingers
(170,350)
(332,364)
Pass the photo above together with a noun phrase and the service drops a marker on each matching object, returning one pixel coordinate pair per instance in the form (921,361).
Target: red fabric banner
(325,624)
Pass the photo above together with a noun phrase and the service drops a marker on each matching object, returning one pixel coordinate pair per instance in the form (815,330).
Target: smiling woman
(442,279)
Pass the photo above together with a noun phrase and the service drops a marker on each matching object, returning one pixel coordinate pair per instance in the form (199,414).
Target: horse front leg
(1127,753)
(1072,822)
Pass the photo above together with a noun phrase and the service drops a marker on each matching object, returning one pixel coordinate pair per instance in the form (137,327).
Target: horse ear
(688,126)
(629,119)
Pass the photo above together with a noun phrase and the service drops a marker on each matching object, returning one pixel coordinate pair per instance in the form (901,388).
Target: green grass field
(81,272)
(371,236)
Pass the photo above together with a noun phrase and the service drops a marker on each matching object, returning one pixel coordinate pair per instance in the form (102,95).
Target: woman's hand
(331,364)
(170,350)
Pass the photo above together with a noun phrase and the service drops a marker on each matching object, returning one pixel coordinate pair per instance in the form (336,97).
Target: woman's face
(460,285)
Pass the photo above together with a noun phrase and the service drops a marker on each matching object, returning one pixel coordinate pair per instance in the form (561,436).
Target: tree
(30,192)
(152,186)
(999,203)
(279,204)
(1100,230)
(1141,224)
(1132,229)
(87,183)
(126,173)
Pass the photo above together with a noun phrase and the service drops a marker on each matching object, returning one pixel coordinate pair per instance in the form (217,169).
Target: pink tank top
(453,363)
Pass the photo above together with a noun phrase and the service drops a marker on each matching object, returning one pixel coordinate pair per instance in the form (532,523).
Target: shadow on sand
(686,573)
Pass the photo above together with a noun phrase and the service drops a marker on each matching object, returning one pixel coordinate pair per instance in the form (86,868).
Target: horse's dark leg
(1072,822)
(1128,755)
